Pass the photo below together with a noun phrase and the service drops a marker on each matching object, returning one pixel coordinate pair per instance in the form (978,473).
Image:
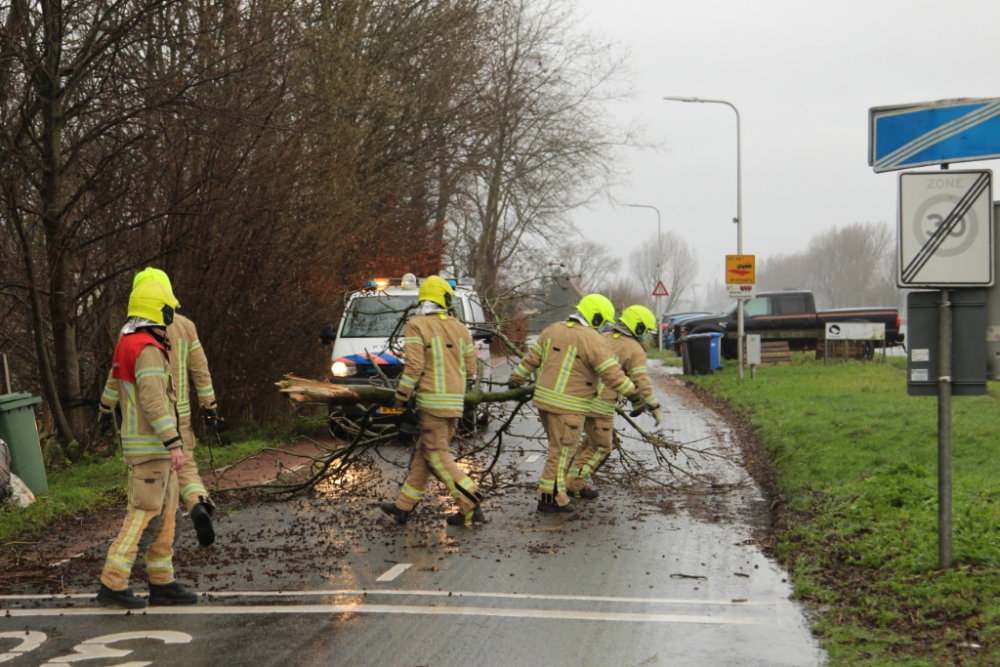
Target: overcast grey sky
(803,74)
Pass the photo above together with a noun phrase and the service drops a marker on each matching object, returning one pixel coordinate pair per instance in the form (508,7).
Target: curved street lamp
(739,210)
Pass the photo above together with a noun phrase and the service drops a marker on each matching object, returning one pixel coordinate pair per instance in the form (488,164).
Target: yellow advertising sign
(741,269)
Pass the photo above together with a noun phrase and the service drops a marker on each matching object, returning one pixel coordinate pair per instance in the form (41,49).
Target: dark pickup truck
(787,316)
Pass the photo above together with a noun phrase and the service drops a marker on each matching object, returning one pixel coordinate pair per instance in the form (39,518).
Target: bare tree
(847,266)
(678,266)
(624,291)
(590,261)
(546,142)
(784,272)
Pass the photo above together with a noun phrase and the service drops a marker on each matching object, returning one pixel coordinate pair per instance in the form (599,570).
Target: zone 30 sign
(945,229)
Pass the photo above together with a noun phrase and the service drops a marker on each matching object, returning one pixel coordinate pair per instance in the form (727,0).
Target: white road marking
(457,594)
(532,458)
(574,615)
(394,571)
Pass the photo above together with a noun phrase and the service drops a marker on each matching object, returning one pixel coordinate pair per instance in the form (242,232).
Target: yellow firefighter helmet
(437,290)
(596,309)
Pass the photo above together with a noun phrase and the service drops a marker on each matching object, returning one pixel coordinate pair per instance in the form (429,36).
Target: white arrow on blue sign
(913,135)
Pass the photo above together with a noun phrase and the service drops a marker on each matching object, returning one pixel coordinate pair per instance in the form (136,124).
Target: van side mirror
(483,334)
(328,334)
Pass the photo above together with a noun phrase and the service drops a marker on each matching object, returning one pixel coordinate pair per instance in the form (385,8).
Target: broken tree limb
(302,390)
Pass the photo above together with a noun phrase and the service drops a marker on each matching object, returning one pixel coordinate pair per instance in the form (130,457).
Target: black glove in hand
(106,420)
(212,419)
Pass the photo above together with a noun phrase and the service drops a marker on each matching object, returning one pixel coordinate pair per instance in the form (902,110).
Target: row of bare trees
(270,154)
(847,266)
(667,257)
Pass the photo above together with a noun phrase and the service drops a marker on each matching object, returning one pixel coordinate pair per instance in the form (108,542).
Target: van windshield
(377,316)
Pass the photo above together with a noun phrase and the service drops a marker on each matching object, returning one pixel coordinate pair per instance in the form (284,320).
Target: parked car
(790,316)
(670,324)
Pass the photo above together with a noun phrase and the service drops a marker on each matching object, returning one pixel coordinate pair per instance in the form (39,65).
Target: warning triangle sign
(660,289)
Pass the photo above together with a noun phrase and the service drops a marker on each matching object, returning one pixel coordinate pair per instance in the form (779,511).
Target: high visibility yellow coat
(570,360)
(629,353)
(440,357)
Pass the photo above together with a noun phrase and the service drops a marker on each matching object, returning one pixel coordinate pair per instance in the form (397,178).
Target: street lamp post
(659,273)
(739,212)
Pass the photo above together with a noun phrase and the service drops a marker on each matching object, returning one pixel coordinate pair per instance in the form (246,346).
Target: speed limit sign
(945,229)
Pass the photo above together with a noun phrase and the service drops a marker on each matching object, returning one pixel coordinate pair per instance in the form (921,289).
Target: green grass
(100,481)
(856,461)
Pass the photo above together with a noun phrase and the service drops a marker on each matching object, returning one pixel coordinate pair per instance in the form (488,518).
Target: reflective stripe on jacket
(630,354)
(569,360)
(440,356)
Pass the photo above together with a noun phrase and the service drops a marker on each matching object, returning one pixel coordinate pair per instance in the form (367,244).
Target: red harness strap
(127,351)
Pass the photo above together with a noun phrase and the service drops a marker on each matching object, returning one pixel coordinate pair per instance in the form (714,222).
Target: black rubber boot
(459,519)
(401,516)
(553,507)
(171,594)
(586,493)
(125,599)
(201,515)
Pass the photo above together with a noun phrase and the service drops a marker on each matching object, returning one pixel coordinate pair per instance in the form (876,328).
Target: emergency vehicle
(371,332)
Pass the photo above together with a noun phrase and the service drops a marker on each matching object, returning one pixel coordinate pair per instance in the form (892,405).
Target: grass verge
(99,481)
(855,458)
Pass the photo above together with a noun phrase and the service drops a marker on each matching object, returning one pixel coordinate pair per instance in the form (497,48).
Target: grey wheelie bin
(19,430)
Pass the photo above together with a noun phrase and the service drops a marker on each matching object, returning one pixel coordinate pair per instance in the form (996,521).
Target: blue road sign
(913,135)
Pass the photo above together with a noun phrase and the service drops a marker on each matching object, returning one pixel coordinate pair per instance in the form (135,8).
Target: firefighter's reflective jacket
(571,360)
(440,356)
(632,357)
(140,382)
(186,354)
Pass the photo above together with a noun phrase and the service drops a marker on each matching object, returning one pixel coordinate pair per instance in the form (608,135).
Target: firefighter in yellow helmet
(440,357)
(187,362)
(152,448)
(569,359)
(626,343)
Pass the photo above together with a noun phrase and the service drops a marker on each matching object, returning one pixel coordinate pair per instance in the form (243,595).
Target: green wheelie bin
(19,430)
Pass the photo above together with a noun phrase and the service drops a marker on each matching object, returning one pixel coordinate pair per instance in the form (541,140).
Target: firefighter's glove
(395,402)
(407,426)
(515,381)
(212,419)
(107,422)
(657,416)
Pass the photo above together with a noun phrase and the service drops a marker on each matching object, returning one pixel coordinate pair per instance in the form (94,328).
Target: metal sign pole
(944,433)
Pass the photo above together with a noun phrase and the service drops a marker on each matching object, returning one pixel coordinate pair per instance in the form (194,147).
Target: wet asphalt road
(634,578)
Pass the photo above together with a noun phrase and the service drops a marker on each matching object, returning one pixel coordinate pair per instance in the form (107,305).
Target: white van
(373,315)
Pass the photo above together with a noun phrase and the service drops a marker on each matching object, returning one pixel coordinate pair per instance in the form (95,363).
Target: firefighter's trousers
(149,526)
(597,444)
(193,490)
(432,457)
(563,432)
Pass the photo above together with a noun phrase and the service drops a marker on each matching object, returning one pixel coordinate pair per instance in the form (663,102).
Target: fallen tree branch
(302,390)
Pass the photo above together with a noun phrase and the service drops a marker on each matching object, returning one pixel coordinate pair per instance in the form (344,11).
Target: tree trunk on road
(302,390)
